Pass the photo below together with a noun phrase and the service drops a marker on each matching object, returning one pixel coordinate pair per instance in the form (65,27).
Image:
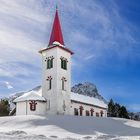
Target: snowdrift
(68,127)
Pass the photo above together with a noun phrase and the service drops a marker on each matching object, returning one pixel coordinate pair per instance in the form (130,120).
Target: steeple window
(64,83)
(64,63)
(49,79)
(49,61)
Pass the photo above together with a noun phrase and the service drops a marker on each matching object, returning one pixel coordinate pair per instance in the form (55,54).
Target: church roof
(57,46)
(32,95)
(75,97)
(88,100)
(56,34)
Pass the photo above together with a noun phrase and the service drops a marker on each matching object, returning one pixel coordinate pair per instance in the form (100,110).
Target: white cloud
(6,84)
(89,57)
(90,30)
(21,31)
(9,86)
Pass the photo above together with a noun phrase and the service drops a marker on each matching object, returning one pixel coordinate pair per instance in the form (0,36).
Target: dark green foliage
(4,108)
(123,112)
(111,108)
(116,110)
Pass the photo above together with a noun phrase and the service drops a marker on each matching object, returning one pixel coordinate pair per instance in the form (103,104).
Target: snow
(58,43)
(67,127)
(88,100)
(32,95)
(133,124)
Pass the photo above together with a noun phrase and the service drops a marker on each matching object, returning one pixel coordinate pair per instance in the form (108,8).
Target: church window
(50,83)
(87,113)
(75,111)
(50,62)
(64,83)
(63,63)
(81,110)
(101,113)
(64,106)
(33,105)
(49,79)
(91,111)
(97,114)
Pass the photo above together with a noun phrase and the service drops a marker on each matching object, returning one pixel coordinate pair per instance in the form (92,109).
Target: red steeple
(56,34)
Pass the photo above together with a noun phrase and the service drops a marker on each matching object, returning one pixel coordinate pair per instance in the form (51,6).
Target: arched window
(97,114)
(33,105)
(49,79)
(63,63)
(49,62)
(91,111)
(81,110)
(101,113)
(75,111)
(64,106)
(87,113)
(64,83)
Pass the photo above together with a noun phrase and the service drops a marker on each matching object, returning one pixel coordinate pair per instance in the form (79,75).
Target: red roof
(56,34)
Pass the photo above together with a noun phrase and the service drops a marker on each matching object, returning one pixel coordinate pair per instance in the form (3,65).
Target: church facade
(55,96)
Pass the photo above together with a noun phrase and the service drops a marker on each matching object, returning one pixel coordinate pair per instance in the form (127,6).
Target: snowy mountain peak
(88,89)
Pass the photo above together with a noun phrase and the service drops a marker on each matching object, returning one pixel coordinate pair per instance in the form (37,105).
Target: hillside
(67,127)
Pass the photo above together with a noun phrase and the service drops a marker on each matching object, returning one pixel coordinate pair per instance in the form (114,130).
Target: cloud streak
(6,84)
(90,29)
(97,33)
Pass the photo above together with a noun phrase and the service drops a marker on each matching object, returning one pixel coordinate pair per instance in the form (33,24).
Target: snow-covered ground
(67,127)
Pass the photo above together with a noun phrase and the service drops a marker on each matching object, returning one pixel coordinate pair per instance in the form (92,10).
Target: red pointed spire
(56,34)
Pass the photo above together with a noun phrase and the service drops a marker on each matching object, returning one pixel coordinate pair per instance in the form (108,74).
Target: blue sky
(104,35)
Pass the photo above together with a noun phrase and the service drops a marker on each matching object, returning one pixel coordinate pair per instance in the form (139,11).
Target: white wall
(87,107)
(55,97)
(23,108)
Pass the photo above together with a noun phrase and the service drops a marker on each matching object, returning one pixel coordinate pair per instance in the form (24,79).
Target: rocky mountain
(87,89)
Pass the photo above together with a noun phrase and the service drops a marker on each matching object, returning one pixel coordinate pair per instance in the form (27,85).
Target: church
(55,96)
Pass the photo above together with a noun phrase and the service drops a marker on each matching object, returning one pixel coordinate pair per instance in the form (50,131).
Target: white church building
(55,96)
